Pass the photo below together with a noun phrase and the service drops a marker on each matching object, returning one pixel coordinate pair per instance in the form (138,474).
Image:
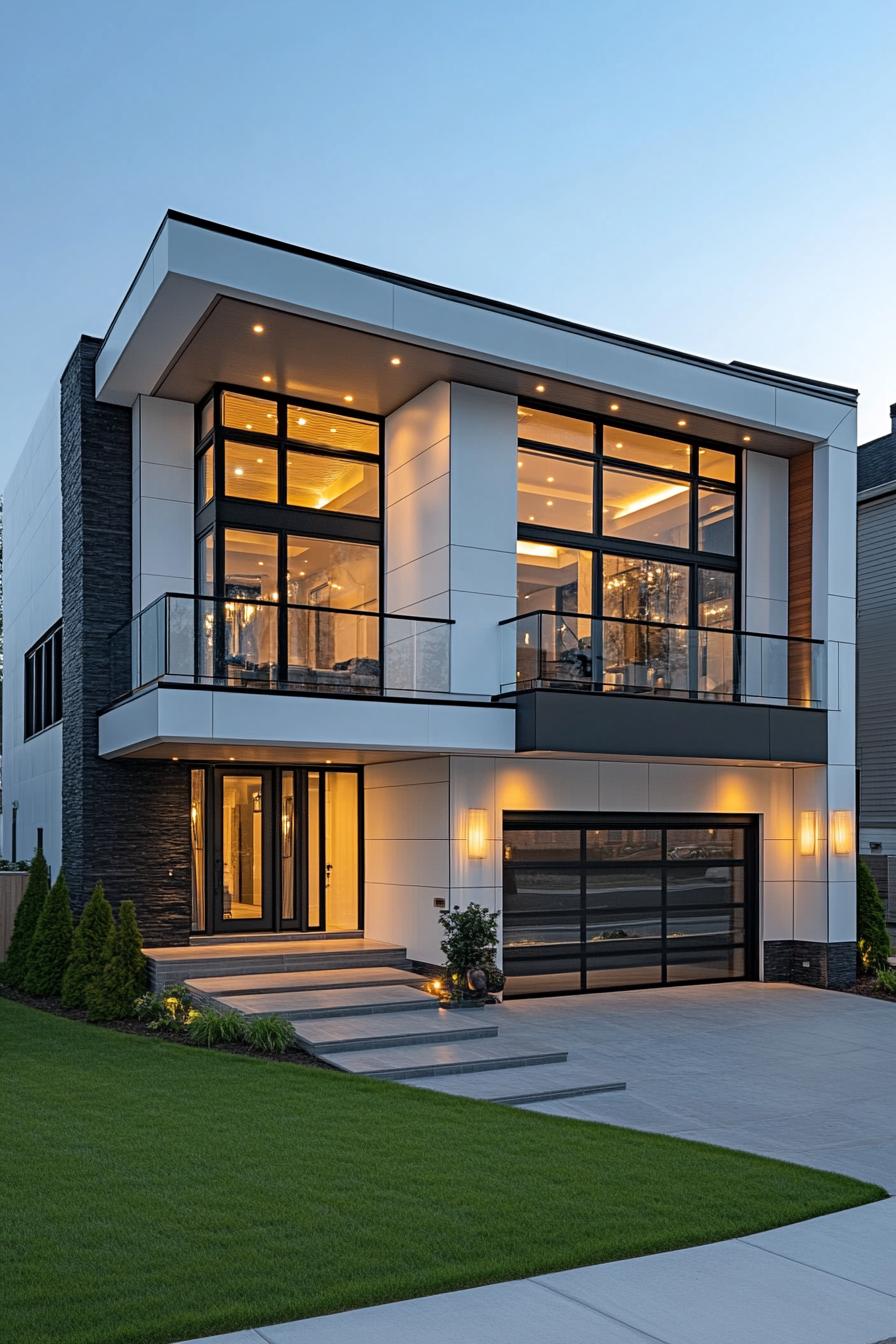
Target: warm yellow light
(614,405)
(348,397)
(682,423)
(395,361)
(436,984)
(302,420)
(541,549)
(175,758)
(265,377)
(258,328)
(656,497)
(238,471)
(808,832)
(539,387)
(747,438)
(841,831)
(476,833)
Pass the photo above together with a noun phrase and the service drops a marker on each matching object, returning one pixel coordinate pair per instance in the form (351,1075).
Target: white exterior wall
(32,603)
(765,537)
(163,526)
(416,817)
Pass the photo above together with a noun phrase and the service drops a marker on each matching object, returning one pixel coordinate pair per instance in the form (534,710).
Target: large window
(289,516)
(43,682)
(635,527)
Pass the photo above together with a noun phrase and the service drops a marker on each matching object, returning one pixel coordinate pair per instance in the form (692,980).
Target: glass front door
(277,850)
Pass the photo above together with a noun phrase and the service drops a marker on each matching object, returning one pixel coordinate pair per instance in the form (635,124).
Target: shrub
(269,1035)
(27,915)
(169,1010)
(88,948)
(113,993)
(871,927)
(213,1028)
(471,939)
(52,942)
(886,980)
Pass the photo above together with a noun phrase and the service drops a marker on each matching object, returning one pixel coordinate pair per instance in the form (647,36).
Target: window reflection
(645,590)
(639,507)
(324,647)
(715,526)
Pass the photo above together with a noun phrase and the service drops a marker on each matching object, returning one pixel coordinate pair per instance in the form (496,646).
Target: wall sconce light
(808,832)
(841,832)
(477,842)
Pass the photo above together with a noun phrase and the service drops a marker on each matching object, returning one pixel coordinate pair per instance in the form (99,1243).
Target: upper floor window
(273,450)
(43,682)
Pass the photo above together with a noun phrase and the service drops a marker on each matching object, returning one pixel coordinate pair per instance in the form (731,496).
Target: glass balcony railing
(215,642)
(571,651)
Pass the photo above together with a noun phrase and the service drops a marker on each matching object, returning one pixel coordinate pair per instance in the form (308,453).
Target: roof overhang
(332,326)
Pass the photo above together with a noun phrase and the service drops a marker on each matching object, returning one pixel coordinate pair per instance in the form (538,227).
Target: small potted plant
(470,947)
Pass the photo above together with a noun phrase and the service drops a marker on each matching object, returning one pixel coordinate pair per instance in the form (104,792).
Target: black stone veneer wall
(124,822)
(830,965)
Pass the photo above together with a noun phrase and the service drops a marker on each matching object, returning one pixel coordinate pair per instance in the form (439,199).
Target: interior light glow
(541,549)
(657,497)
(302,420)
(747,438)
(238,471)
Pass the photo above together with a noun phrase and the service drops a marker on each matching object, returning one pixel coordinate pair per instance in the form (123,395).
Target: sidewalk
(831,1280)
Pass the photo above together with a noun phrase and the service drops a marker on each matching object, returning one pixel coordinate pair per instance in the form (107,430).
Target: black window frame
(600,544)
(42,699)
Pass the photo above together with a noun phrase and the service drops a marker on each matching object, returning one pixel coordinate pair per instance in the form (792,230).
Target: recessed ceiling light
(348,397)
(550,480)
(265,377)
(302,420)
(248,426)
(238,471)
(332,429)
(175,758)
(682,423)
(550,503)
(328,762)
(258,328)
(231,758)
(619,445)
(614,405)
(539,387)
(260,461)
(747,438)
(519,464)
(531,517)
(261,564)
(395,361)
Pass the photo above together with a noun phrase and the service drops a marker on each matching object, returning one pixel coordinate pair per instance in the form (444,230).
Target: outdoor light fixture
(539,387)
(808,832)
(841,831)
(476,833)
(614,405)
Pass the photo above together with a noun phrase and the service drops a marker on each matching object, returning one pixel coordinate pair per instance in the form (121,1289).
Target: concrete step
(327,1003)
(279,982)
(433,1060)
(223,939)
(375,1030)
(168,965)
(522,1086)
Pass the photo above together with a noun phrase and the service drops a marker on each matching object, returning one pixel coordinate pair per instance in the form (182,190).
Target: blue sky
(717,177)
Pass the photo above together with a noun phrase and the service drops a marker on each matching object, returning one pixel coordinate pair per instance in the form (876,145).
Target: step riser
(471,1066)
(395,1042)
(558,1094)
(223,939)
(302,1015)
(237,988)
(173,973)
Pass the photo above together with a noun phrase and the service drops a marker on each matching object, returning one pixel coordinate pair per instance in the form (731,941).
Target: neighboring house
(334,599)
(876,625)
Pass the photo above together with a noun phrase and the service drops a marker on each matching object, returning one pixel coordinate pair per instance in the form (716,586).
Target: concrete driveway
(802,1074)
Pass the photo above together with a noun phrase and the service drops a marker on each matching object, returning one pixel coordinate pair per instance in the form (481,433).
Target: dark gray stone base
(822,965)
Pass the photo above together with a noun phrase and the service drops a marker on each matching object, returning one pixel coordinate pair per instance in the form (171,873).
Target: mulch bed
(131,1027)
(868,988)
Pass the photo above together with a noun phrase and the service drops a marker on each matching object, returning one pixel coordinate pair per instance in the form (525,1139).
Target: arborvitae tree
(27,915)
(871,924)
(52,942)
(112,994)
(88,949)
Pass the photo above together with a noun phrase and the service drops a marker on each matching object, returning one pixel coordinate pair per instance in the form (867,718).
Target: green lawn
(153,1193)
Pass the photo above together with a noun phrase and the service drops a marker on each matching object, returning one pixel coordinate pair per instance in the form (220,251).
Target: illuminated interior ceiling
(302,357)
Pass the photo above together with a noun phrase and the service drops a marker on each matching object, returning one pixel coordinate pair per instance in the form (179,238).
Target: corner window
(250,471)
(205,476)
(334,484)
(255,415)
(43,683)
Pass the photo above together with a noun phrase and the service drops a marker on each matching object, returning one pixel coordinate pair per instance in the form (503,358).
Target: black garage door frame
(569,958)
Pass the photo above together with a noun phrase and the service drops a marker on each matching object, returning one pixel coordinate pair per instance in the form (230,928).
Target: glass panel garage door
(595,903)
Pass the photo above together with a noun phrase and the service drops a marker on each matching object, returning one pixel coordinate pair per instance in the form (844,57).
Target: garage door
(601,903)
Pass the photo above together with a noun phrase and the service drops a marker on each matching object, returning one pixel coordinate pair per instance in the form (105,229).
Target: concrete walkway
(794,1073)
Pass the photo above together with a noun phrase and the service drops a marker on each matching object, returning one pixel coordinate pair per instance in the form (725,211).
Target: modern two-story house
(334,599)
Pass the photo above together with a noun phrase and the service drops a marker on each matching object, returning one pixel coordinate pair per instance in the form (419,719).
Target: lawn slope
(152,1193)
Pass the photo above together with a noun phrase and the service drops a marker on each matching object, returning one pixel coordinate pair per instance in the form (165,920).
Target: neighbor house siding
(876,746)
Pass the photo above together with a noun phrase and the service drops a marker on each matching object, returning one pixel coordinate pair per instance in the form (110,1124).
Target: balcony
(219,643)
(647,688)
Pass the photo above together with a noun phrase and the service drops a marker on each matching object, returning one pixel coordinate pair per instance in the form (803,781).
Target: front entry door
(242,879)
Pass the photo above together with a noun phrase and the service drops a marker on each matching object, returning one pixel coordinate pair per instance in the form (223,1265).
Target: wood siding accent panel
(799,576)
